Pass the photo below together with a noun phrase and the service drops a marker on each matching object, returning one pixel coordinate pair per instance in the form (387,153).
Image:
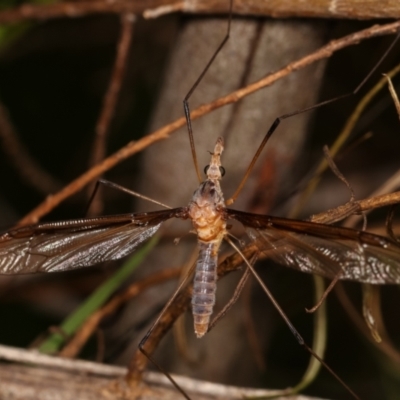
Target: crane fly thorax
(206,211)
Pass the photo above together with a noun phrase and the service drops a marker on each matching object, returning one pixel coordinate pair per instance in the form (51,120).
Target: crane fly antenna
(294,331)
(186,107)
(279,119)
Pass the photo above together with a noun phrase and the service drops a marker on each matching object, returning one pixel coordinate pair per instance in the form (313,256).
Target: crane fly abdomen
(204,286)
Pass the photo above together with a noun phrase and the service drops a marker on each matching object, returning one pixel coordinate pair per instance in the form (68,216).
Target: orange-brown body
(206,211)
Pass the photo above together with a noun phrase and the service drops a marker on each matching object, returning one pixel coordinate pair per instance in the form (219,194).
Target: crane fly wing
(66,245)
(323,249)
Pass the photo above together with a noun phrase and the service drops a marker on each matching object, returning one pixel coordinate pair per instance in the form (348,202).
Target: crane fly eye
(222,170)
(206,169)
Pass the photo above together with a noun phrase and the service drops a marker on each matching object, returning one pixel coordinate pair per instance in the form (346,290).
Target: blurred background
(53,77)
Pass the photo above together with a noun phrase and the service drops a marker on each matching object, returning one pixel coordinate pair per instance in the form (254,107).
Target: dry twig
(355,9)
(111,98)
(31,172)
(54,377)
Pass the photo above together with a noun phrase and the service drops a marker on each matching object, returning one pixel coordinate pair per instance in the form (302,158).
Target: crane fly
(306,246)
(330,251)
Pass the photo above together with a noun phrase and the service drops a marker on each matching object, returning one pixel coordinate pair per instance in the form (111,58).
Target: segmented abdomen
(204,287)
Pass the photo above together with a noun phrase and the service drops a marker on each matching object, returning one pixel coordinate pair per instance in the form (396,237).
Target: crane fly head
(214,170)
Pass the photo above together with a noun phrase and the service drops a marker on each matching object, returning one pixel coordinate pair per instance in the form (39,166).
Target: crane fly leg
(325,294)
(294,331)
(235,297)
(136,367)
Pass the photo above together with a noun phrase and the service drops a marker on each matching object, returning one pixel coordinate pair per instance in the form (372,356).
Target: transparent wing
(67,245)
(323,249)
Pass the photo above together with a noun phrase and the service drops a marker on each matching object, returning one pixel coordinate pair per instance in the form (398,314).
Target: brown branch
(379,201)
(54,377)
(382,192)
(356,207)
(114,87)
(163,133)
(67,10)
(111,98)
(20,158)
(355,9)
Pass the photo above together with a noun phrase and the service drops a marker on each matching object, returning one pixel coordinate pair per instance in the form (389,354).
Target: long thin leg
(232,301)
(334,168)
(279,119)
(113,185)
(326,292)
(142,343)
(294,331)
(131,192)
(192,89)
(181,302)
(93,195)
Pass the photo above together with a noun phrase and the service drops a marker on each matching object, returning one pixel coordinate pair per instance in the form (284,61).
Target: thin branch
(356,207)
(393,93)
(341,139)
(164,132)
(27,12)
(20,158)
(34,357)
(355,9)
(111,98)
(381,195)
(114,87)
